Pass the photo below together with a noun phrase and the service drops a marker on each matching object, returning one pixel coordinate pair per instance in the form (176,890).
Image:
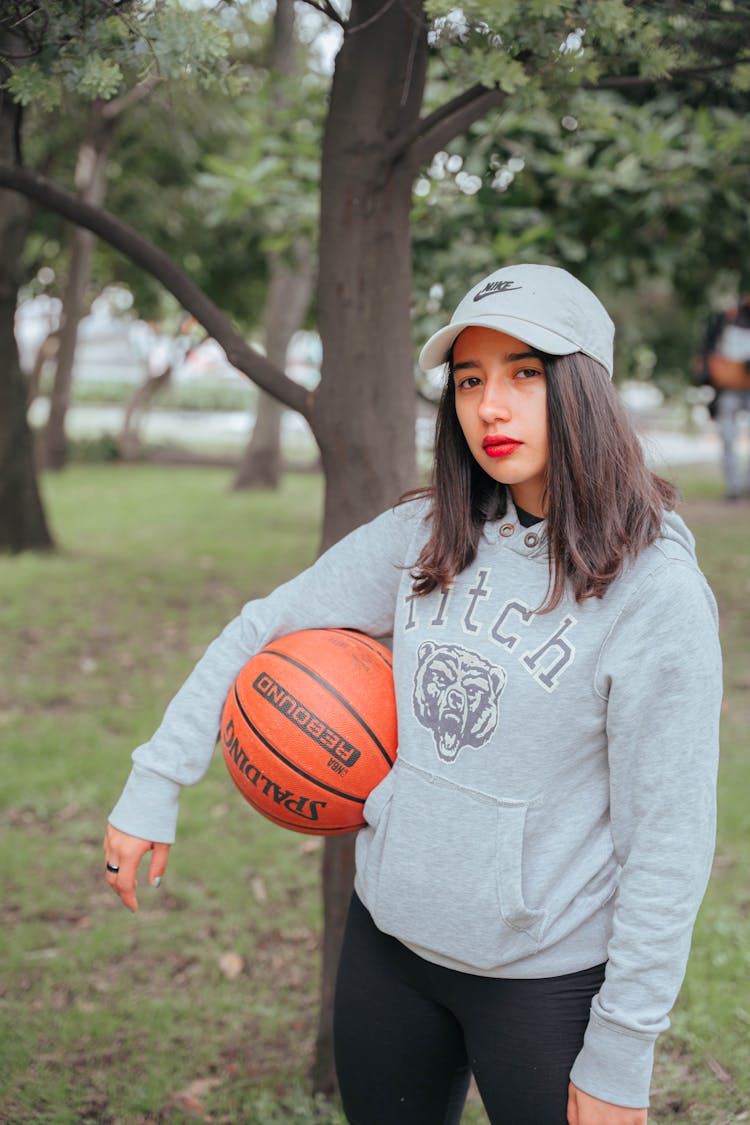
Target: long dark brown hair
(603,504)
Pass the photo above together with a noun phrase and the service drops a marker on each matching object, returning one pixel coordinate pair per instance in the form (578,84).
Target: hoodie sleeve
(353,585)
(660,670)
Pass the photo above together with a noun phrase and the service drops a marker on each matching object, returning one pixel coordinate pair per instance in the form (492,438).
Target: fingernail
(157,881)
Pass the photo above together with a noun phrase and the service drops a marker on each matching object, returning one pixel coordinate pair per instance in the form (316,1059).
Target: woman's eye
(467,383)
(528,372)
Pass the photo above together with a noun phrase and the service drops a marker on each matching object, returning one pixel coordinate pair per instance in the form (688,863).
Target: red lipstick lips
(498,445)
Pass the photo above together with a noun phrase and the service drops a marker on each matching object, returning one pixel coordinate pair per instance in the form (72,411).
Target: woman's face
(501,402)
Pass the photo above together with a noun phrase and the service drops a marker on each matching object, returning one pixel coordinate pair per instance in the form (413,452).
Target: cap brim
(435,352)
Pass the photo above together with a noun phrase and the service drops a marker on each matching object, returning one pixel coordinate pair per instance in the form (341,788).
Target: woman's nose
(494,404)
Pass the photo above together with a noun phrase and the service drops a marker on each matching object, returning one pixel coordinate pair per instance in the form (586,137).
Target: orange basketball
(309,729)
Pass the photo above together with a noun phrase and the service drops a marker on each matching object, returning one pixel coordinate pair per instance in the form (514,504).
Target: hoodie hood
(676,532)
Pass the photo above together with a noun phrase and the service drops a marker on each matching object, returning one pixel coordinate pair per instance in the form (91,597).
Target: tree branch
(633,81)
(150,258)
(327,9)
(116,106)
(435,131)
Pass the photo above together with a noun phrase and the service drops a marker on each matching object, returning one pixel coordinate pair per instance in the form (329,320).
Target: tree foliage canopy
(100,48)
(587,161)
(638,200)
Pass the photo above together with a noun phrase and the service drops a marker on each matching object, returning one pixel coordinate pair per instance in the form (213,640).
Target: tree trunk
(90,180)
(47,350)
(23,525)
(129,441)
(289,292)
(364,413)
(260,464)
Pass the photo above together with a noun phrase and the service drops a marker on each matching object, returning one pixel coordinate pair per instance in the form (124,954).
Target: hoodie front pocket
(445,871)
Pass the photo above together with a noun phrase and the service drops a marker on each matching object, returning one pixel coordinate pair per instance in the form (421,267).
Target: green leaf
(99,78)
(29,84)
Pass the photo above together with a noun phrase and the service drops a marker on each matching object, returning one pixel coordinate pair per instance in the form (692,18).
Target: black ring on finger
(112,867)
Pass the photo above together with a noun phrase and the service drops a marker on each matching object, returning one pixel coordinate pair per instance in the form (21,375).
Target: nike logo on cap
(495,287)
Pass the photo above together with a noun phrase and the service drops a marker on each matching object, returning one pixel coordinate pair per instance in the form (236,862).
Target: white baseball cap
(544,306)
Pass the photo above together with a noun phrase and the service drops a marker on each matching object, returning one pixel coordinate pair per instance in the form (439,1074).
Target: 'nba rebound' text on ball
(324,735)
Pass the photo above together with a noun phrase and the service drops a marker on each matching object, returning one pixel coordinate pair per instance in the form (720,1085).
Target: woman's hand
(122,855)
(585,1110)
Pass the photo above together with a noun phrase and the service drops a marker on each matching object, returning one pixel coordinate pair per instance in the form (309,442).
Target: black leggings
(409,1034)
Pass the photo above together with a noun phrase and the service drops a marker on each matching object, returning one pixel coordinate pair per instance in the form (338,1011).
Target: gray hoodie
(552,806)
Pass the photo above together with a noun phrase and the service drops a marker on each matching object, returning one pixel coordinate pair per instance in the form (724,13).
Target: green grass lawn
(120,1019)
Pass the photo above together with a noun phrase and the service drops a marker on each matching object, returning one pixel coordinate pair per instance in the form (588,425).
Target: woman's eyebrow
(509,357)
(512,357)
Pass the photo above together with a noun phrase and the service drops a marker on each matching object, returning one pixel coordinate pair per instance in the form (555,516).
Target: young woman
(529,876)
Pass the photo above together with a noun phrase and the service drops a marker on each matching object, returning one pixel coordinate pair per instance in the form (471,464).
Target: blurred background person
(724,364)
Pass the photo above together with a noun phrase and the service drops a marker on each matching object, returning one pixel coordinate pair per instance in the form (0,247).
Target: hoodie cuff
(147,807)
(614,1065)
